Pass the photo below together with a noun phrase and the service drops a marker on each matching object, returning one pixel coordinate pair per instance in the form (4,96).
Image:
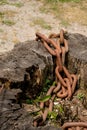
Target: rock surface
(77,58)
(26,67)
(13,117)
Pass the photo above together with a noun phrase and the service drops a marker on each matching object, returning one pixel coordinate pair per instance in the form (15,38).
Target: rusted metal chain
(74,124)
(57,45)
(1,88)
(62,36)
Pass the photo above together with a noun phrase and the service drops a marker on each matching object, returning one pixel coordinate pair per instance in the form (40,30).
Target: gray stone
(13,117)
(26,67)
(77,57)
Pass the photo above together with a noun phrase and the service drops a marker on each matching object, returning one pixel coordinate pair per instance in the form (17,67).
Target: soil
(20,20)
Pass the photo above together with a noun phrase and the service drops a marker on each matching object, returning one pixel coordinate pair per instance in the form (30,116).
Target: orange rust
(37,120)
(60,94)
(63,54)
(68,87)
(77,128)
(74,77)
(63,89)
(53,97)
(54,35)
(50,90)
(74,124)
(85,129)
(35,123)
(67,74)
(57,88)
(59,77)
(41,104)
(55,45)
(70,129)
(51,51)
(58,60)
(41,36)
(61,35)
(47,41)
(58,44)
(45,114)
(1,88)
(51,106)
(66,45)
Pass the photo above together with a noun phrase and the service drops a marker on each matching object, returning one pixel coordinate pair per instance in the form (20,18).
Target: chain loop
(65,82)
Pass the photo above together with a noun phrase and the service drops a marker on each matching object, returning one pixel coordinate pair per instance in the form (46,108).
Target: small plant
(80,96)
(44,99)
(29,101)
(59,107)
(52,115)
(47,85)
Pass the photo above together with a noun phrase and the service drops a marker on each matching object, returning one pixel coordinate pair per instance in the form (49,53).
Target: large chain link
(57,46)
(75,125)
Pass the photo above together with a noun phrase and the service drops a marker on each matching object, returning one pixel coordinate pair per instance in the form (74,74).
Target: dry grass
(42,23)
(17,4)
(9,13)
(68,12)
(7,16)
(8,22)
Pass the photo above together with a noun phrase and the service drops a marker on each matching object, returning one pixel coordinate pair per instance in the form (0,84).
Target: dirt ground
(21,19)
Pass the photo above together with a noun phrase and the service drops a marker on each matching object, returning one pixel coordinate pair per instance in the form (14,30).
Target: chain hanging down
(57,46)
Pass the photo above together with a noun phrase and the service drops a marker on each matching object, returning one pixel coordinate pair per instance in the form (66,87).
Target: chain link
(75,125)
(57,46)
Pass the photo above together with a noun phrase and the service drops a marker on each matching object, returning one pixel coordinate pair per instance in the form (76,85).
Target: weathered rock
(26,67)
(13,117)
(77,57)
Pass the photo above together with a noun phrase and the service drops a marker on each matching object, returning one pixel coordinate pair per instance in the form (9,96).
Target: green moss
(80,96)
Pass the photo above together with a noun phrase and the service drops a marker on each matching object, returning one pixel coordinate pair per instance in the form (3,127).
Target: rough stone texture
(13,117)
(26,67)
(77,57)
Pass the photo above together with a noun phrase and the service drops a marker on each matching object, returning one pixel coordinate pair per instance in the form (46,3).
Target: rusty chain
(57,46)
(60,46)
(1,88)
(75,125)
